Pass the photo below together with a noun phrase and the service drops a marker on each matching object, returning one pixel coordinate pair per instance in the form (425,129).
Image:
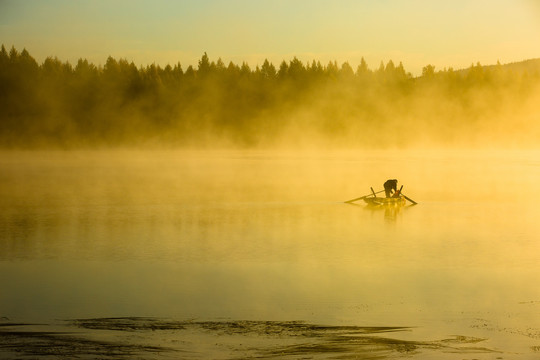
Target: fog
(256,204)
(264,235)
(291,105)
(217,192)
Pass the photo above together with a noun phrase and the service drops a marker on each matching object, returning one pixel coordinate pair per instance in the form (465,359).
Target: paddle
(411,200)
(360,198)
(407,198)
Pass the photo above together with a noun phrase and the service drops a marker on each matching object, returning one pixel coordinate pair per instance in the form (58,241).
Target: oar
(365,196)
(408,198)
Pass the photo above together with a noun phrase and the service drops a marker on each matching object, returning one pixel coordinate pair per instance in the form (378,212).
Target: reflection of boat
(384,201)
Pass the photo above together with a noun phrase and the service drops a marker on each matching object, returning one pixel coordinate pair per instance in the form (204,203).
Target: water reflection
(389,212)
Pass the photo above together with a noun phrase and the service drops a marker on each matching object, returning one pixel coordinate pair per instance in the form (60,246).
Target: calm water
(265,237)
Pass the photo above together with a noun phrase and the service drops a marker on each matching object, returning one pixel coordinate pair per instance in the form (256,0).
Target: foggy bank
(293,105)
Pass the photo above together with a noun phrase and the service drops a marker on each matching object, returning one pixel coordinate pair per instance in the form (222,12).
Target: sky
(443,33)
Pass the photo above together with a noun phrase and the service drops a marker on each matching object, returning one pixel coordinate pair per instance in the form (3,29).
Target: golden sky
(416,32)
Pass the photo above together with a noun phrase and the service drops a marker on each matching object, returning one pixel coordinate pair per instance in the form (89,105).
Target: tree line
(59,104)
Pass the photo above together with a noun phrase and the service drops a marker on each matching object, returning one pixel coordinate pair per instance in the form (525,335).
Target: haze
(174,178)
(332,73)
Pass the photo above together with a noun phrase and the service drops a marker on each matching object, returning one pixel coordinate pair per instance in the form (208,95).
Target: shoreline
(149,338)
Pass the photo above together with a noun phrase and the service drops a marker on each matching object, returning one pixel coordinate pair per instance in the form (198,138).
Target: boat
(384,201)
(399,199)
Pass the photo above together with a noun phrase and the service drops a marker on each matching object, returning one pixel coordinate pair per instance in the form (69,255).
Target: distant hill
(530,66)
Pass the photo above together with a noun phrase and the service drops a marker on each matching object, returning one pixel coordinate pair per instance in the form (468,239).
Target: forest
(56,104)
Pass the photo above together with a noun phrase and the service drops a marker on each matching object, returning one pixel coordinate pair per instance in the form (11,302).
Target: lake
(245,253)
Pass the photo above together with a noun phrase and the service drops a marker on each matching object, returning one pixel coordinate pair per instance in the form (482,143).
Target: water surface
(262,240)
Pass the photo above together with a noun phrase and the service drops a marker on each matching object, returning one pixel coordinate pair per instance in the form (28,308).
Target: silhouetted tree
(204,65)
(428,71)
(283,70)
(55,103)
(268,70)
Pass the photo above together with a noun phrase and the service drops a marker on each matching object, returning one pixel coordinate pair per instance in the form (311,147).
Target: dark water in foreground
(254,254)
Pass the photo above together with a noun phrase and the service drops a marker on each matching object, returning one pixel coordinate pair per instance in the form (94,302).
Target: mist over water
(202,211)
(199,211)
(265,236)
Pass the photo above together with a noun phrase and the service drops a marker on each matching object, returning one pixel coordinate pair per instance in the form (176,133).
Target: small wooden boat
(384,201)
(399,199)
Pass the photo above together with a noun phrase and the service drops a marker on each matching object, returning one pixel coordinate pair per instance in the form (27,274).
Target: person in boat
(389,187)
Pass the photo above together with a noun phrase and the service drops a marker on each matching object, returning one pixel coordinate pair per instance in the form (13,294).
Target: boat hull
(383,201)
